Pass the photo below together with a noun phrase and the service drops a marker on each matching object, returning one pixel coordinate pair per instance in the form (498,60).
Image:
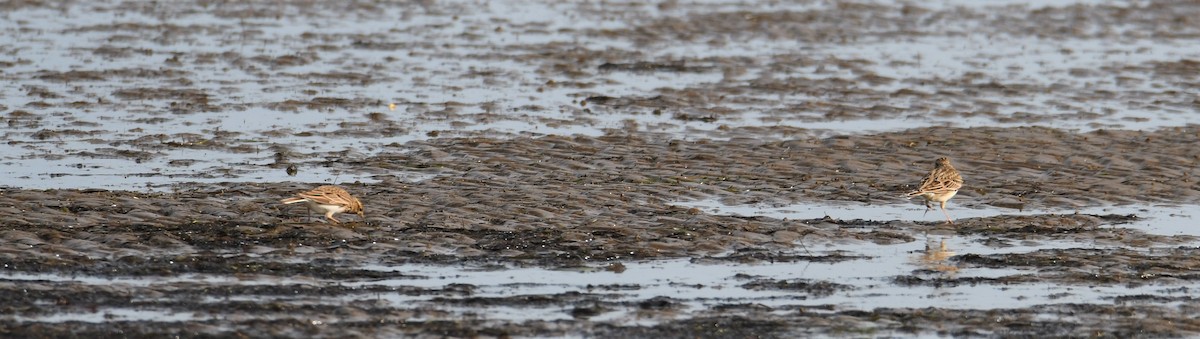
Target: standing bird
(328,199)
(941,185)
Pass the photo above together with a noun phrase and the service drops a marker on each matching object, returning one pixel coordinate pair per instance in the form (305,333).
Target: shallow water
(698,286)
(486,82)
(1165,219)
(429,108)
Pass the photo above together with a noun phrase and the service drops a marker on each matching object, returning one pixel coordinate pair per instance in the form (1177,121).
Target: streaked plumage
(940,185)
(328,199)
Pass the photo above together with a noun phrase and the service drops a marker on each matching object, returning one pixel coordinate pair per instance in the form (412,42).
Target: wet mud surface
(534,170)
(565,203)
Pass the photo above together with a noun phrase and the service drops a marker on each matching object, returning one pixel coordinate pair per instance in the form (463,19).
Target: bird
(942,183)
(328,199)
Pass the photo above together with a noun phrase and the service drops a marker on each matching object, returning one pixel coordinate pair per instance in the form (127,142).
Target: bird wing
(326,195)
(939,182)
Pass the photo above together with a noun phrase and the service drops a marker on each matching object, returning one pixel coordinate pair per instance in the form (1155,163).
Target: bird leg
(928,207)
(330,216)
(948,221)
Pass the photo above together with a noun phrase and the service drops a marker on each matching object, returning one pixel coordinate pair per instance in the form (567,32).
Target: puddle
(1167,220)
(114,314)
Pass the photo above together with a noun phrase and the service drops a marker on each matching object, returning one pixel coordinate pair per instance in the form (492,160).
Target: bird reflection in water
(936,257)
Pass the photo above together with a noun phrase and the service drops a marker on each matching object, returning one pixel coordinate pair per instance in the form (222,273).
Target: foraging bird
(328,199)
(940,185)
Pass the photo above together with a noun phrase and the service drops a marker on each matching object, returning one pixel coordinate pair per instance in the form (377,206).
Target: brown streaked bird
(328,199)
(940,185)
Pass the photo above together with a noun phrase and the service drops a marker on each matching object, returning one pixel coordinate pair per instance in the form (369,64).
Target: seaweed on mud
(751,255)
(1150,299)
(1097,266)
(135,265)
(45,134)
(813,288)
(698,327)
(644,66)
(659,303)
(584,312)
(194,96)
(325,103)
(1042,224)
(78,298)
(940,282)
(527,300)
(1042,259)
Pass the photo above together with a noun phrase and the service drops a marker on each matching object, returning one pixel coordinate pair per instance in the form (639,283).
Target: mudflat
(563,203)
(627,170)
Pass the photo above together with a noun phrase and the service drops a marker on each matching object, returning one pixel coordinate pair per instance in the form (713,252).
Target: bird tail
(292,200)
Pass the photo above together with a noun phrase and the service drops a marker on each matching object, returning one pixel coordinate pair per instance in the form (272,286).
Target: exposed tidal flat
(625,169)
